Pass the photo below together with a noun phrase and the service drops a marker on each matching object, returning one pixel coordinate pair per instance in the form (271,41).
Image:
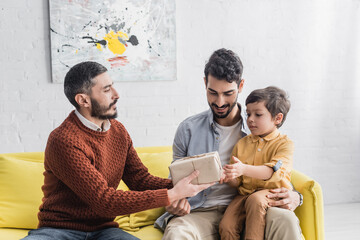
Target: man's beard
(213,105)
(99,111)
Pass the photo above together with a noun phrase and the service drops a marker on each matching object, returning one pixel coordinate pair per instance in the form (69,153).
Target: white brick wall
(310,48)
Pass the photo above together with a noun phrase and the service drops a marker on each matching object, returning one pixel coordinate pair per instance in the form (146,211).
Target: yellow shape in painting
(98,46)
(114,43)
(76,51)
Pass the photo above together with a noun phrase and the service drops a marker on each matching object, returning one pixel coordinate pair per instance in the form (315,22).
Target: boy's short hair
(276,101)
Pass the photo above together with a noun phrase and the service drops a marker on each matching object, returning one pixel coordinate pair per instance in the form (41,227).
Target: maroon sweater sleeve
(69,163)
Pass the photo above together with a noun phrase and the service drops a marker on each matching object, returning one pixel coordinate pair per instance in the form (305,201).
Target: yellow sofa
(21,179)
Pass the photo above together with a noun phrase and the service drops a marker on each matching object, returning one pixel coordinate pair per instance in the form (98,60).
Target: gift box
(208,164)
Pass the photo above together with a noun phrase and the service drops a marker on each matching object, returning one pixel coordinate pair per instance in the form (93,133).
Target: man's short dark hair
(79,79)
(276,101)
(224,64)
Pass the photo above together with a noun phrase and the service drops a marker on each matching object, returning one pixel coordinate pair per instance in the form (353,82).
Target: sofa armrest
(311,213)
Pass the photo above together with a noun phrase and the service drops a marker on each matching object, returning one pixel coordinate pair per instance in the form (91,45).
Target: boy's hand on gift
(222,178)
(234,170)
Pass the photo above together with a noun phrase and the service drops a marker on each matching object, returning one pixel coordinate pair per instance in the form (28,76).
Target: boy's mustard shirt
(253,150)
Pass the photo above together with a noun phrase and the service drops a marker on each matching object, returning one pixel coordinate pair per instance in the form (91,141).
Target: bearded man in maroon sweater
(85,159)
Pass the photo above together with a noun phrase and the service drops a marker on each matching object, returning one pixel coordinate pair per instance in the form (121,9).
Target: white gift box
(208,164)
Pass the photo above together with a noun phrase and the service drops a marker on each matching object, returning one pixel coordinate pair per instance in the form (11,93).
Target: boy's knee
(256,201)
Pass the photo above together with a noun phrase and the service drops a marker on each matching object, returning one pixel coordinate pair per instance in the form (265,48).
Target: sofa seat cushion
(13,233)
(148,233)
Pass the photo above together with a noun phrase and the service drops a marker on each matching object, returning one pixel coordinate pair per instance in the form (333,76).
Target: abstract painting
(134,39)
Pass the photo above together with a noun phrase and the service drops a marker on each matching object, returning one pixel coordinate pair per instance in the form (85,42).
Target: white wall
(310,48)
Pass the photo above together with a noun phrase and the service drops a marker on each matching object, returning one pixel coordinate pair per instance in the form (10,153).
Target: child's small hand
(234,170)
(222,178)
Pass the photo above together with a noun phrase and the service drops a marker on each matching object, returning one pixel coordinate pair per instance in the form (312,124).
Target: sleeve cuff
(275,166)
(301,198)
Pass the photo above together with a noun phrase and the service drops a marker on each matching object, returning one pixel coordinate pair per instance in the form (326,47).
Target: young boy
(260,161)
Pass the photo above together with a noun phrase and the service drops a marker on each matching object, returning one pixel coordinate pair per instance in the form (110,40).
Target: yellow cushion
(13,233)
(148,233)
(157,160)
(311,213)
(124,222)
(21,178)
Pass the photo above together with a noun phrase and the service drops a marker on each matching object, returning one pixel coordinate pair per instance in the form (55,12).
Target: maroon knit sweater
(83,168)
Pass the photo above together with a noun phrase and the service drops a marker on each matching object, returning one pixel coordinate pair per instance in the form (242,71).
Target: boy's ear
(278,118)
(83,100)
(205,82)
